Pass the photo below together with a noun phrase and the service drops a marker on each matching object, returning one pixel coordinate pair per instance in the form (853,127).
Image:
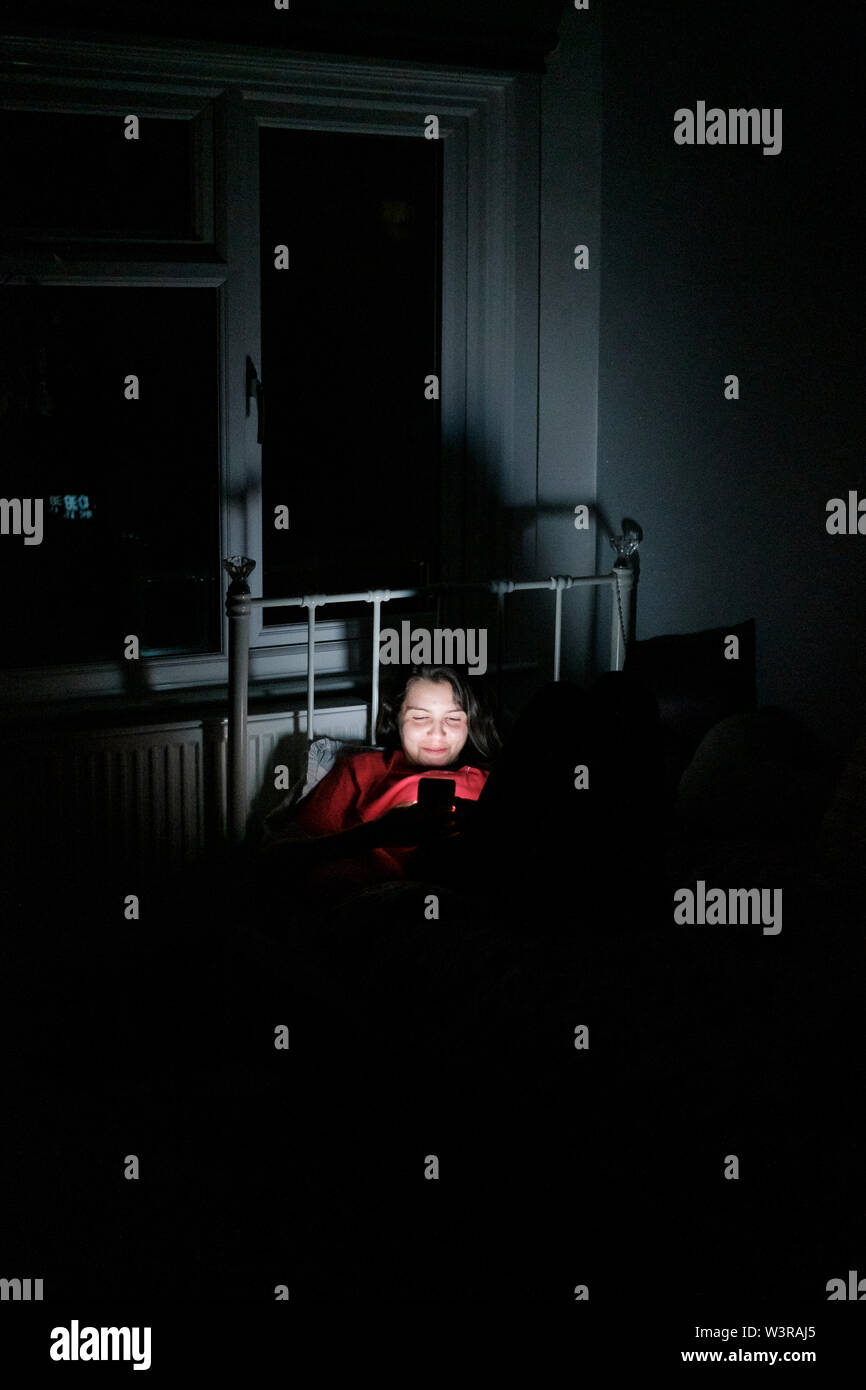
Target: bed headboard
(241,607)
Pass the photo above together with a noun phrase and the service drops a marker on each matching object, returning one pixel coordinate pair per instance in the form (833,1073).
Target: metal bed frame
(240,605)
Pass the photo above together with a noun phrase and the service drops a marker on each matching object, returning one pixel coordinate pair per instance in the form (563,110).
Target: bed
(583,1073)
(245,613)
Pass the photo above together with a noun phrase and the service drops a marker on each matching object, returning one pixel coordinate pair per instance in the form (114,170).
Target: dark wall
(721,260)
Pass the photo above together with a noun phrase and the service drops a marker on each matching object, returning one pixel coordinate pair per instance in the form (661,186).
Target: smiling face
(433,727)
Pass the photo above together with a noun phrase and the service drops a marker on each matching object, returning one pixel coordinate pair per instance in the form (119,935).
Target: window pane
(130,488)
(350,332)
(79,175)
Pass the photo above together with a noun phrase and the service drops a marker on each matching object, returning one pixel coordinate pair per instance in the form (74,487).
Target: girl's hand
(407,826)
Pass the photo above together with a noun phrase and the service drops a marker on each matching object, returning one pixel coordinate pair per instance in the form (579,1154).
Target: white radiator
(151,797)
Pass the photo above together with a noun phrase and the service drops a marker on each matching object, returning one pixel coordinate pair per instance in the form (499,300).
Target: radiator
(151,797)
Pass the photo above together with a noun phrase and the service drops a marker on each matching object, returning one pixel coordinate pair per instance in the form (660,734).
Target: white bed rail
(240,605)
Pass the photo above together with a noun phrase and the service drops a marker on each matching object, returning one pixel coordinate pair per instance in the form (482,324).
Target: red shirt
(363,786)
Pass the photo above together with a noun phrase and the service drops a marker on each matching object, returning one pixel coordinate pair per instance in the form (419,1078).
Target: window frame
(489,386)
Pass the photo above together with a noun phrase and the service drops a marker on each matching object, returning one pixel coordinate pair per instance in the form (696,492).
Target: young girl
(363,817)
(577,789)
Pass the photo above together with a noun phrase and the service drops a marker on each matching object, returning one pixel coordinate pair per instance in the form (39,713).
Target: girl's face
(433,727)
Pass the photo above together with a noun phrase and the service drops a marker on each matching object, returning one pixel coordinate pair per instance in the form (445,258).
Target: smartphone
(436,793)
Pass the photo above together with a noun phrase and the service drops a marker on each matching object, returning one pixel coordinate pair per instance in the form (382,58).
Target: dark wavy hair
(483,743)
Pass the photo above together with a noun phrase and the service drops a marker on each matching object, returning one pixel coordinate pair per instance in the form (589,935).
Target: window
(154,259)
(349,339)
(108,413)
(73,175)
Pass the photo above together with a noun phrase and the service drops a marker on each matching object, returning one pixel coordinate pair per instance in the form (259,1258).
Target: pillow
(842,838)
(321,757)
(694,685)
(755,775)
